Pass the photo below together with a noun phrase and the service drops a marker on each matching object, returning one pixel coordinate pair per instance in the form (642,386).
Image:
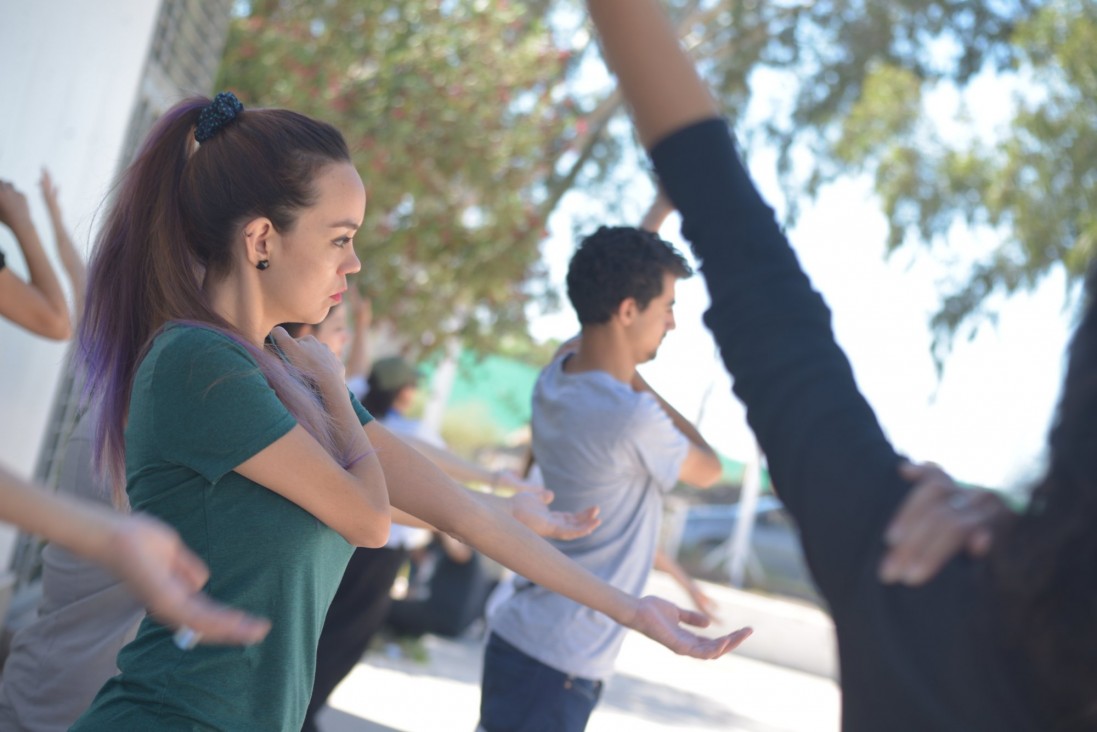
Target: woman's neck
(238,306)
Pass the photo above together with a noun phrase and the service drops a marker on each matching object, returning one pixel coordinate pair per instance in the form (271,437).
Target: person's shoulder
(645,414)
(196,351)
(552,371)
(554,381)
(190,341)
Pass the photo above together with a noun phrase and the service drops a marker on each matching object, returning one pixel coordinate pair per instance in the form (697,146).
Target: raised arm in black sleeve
(830,461)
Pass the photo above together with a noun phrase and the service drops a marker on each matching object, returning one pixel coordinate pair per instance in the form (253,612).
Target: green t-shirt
(200,407)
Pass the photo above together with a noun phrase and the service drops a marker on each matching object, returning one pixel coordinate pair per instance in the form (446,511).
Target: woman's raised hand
(14,211)
(313,358)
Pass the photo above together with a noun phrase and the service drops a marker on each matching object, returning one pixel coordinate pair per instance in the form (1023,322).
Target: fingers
(312,357)
(286,343)
(692,617)
(980,542)
(931,484)
(937,521)
(662,621)
(282,337)
(13,204)
(213,623)
(705,605)
(589,514)
(192,569)
(168,577)
(710,648)
(575,525)
(734,640)
(917,544)
(583,527)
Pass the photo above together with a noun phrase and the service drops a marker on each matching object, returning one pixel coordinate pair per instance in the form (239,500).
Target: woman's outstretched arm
(143,552)
(419,488)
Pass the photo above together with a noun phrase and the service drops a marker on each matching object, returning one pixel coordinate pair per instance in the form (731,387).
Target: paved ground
(653,689)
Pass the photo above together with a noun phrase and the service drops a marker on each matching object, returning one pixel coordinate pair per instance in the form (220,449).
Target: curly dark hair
(619,262)
(1045,563)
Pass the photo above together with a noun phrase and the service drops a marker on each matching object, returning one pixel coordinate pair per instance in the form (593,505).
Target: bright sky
(985,420)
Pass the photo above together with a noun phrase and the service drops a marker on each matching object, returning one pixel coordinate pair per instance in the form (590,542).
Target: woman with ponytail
(247,441)
(1005,644)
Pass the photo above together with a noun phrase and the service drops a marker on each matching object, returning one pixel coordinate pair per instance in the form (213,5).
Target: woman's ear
(259,238)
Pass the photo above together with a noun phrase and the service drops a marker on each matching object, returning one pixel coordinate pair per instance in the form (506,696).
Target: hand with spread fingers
(937,521)
(160,570)
(662,621)
(147,555)
(532,509)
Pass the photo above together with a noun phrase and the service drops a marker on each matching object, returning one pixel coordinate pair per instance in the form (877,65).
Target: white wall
(70,75)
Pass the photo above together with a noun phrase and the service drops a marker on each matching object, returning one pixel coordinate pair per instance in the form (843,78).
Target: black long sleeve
(830,461)
(928,659)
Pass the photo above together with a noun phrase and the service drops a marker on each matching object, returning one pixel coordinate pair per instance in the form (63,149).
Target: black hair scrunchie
(218,113)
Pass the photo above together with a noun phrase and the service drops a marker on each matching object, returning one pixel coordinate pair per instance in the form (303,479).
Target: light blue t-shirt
(598,442)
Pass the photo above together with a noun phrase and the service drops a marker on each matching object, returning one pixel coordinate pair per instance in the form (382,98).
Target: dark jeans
(521,694)
(355,615)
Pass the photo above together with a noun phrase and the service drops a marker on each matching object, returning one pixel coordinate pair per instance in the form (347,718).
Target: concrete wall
(71,74)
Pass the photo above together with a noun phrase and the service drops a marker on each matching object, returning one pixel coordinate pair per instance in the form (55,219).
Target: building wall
(72,71)
(85,81)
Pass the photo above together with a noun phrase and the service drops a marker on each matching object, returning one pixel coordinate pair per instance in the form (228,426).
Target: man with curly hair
(602,437)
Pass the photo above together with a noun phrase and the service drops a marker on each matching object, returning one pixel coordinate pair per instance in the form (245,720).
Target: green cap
(392,374)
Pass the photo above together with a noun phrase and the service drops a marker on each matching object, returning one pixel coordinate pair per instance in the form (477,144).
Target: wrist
(333,390)
(348,427)
(624,609)
(630,610)
(25,232)
(98,539)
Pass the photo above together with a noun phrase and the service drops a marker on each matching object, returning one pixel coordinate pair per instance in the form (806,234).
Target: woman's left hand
(168,577)
(532,509)
(662,621)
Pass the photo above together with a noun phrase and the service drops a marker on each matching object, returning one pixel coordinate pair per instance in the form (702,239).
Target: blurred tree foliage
(1033,183)
(464,129)
(471,119)
(860,73)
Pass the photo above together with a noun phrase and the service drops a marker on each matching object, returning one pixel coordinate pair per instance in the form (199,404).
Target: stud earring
(263,264)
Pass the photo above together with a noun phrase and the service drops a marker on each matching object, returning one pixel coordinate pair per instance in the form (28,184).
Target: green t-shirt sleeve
(213,408)
(363,415)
